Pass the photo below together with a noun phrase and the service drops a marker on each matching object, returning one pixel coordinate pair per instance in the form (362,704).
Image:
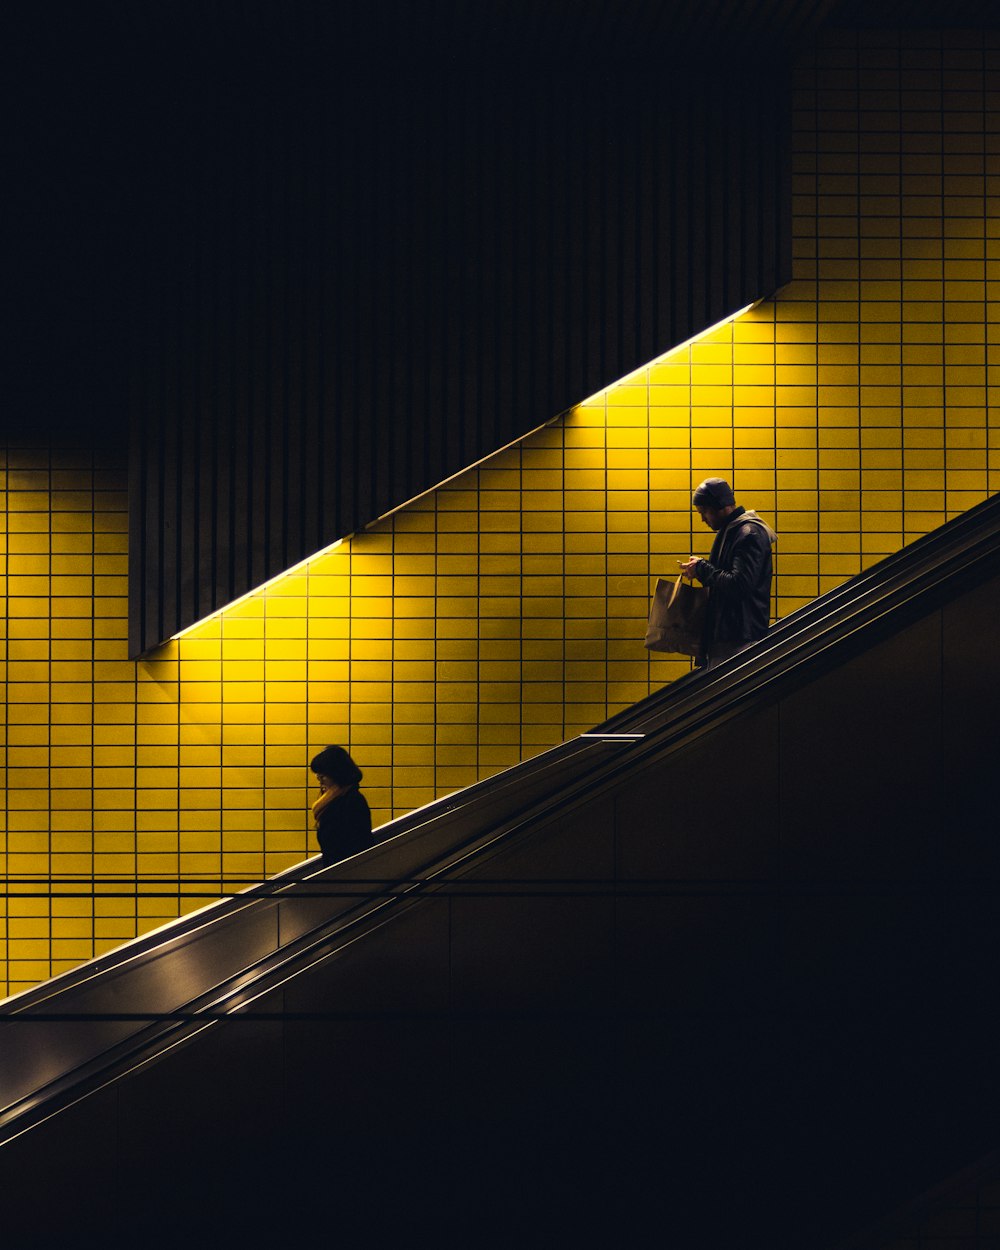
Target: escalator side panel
(36,1051)
(711,812)
(971,668)
(207,1121)
(384,973)
(790,1005)
(59,1182)
(861,778)
(578,847)
(407,857)
(533,924)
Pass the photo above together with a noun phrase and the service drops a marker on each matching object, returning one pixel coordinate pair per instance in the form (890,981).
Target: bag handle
(673,593)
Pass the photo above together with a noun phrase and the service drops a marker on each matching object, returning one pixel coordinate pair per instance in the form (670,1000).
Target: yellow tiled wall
(505,611)
(69,708)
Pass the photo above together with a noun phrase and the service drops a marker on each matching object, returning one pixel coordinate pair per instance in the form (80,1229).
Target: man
(737,572)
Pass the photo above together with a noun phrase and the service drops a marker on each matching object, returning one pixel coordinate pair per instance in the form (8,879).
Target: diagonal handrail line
(976,527)
(230,995)
(962,551)
(941,557)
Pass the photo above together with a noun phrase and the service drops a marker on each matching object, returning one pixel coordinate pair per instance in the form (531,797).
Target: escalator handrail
(908,563)
(674,700)
(480,795)
(959,543)
(692,706)
(232,994)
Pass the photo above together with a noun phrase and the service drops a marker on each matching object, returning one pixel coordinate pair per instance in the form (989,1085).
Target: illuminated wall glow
(303,565)
(505,611)
(257,590)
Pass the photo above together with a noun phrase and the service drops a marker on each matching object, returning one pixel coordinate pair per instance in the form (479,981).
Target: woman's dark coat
(345,826)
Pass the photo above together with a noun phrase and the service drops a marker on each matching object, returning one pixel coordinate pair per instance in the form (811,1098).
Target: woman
(343,820)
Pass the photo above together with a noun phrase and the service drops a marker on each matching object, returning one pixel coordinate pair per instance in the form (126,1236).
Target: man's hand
(688,566)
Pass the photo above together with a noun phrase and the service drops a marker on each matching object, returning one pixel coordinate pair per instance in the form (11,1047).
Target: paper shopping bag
(677,617)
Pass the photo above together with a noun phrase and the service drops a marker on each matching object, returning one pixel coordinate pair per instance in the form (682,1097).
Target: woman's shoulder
(354,801)
(351,798)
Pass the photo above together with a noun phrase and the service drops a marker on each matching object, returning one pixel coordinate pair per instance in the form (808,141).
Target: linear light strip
(259,590)
(658,360)
(318,555)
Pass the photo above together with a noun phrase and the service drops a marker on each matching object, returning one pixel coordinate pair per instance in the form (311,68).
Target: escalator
(719,972)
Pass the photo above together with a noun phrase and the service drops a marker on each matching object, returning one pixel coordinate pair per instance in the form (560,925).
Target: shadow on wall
(505,611)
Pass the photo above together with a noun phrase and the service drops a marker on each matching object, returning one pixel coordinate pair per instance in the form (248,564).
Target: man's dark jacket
(738,576)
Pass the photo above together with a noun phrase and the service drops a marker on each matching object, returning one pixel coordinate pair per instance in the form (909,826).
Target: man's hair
(714,492)
(335,763)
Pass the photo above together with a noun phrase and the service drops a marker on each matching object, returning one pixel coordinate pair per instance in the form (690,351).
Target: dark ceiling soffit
(314,358)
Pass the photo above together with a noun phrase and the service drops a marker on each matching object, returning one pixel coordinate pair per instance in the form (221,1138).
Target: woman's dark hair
(335,763)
